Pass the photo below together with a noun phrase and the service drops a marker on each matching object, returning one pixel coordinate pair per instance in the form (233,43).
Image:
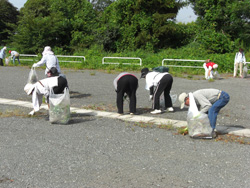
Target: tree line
(70,26)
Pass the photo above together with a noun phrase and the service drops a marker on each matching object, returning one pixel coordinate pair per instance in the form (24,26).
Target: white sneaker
(170,109)
(32,113)
(156,112)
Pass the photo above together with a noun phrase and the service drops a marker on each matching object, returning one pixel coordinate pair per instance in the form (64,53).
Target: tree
(230,18)
(141,23)
(65,24)
(8,15)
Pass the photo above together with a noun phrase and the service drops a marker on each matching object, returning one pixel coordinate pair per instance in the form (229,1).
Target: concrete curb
(133,118)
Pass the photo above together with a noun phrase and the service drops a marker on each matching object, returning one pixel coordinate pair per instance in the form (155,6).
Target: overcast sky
(185,14)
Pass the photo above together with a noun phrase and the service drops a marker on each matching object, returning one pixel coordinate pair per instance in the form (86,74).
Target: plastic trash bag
(161,69)
(7,60)
(245,71)
(216,75)
(59,111)
(162,100)
(198,123)
(33,78)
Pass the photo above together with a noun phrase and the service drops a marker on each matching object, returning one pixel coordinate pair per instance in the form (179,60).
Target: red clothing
(210,64)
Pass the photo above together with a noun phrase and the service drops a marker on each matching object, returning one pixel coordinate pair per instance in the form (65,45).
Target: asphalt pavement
(94,89)
(94,151)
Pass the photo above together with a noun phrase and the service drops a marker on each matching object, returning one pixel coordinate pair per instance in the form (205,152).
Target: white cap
(182,99)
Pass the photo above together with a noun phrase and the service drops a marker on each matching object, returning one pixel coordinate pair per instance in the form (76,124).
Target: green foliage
(215,42)
(230,19)
(8,15)
(129,25)
(65,24)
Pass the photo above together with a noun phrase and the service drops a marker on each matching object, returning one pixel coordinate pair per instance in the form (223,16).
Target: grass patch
(233,139)
(13,113)
(101,107)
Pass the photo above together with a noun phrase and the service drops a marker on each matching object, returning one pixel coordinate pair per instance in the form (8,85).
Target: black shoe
(214,134)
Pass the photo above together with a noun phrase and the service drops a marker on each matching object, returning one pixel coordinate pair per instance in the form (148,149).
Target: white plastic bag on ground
(198,123)
(7,60)
(59,111)
(33,78)
(245,71)
(173,98)
(216,75)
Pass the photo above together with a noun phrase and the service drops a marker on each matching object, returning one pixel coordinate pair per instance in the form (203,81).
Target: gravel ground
(101,152)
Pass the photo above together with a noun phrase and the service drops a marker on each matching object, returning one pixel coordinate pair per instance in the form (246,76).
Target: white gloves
(35,65)
(150,97)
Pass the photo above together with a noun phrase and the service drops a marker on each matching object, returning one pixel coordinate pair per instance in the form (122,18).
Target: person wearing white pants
(209,66)
(239,60)
(43,88)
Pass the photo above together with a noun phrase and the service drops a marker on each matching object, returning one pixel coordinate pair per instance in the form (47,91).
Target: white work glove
(35,65)
(150,97)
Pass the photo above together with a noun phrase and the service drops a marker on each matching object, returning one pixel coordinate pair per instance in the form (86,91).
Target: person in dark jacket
(126,83)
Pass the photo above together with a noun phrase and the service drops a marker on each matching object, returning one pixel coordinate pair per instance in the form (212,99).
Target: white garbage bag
(33,78)
(198,123)
(245,71)
(173,98)
(59,111)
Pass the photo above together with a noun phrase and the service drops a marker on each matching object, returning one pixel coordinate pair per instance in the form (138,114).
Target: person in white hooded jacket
(43,87)
(49,59)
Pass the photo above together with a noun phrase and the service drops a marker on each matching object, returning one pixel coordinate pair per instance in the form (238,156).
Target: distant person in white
(49,59)
(239,60)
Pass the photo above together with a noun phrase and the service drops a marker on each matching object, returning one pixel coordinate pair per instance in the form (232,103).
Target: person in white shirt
(239,60)
(2,55)
(49,59)
(157,83)
(43,88)
(14,55)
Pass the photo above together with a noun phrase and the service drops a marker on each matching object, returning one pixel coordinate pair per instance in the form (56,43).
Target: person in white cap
(43,88)
(239,60)
(157,83)
(49,59)
(209,66)
(2,55)
(126,83)
(210,101)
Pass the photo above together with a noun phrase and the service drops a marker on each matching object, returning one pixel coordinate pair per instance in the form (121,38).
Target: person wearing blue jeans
(14,56)
(210,101)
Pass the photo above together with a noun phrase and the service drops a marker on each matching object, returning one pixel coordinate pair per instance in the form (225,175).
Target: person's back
(62,83)
(49,59)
